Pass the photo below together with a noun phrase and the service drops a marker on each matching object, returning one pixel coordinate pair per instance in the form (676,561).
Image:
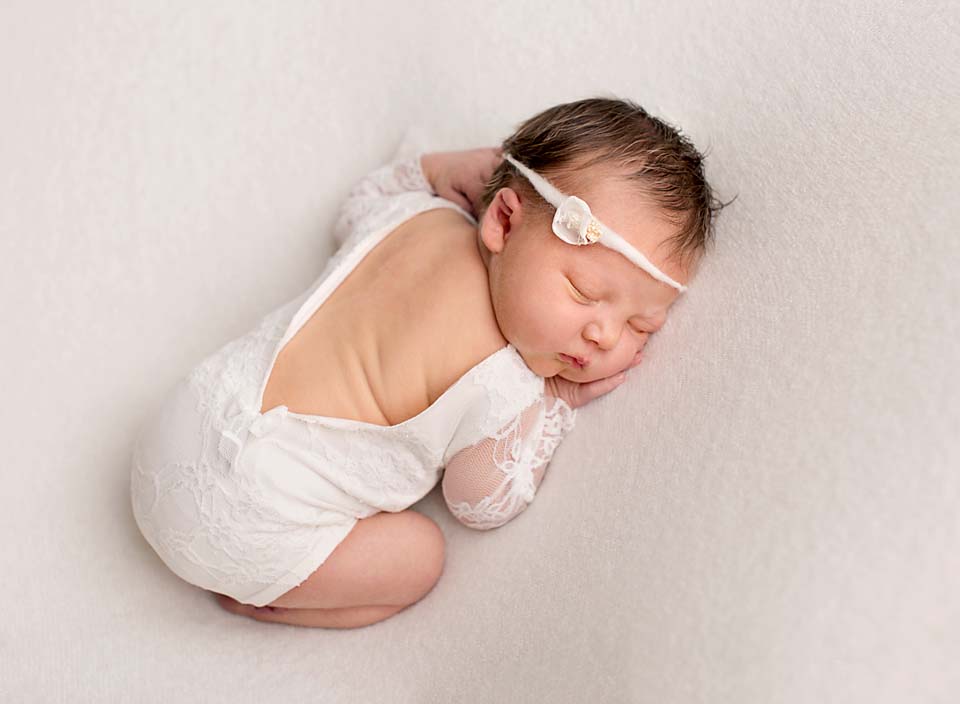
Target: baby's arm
(491,482)
(374,194)
(461,176)
(455,176)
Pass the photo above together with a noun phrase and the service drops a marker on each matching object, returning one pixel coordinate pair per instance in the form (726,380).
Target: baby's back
(411,318)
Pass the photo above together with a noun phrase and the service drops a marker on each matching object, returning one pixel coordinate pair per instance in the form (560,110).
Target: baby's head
(642,180)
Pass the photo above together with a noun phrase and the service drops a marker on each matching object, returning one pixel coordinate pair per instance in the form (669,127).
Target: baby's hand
(461,176)
(577,394)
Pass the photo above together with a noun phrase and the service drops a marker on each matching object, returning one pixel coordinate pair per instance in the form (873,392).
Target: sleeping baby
(477,300)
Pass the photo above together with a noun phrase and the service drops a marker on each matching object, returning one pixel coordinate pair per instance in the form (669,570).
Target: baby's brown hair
(561,142)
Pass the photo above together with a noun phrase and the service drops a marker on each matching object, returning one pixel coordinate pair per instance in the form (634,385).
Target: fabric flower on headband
(575,224)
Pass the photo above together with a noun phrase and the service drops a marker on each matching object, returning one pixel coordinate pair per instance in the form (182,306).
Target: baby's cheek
(634,360)
(543,330)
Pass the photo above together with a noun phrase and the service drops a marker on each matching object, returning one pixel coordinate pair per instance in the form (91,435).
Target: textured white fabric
(489,483)
(249,504)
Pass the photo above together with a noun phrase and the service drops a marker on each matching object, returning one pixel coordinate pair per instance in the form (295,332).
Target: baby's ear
(500,219)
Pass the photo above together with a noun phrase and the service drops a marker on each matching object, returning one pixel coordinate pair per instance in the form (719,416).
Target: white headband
(575,224)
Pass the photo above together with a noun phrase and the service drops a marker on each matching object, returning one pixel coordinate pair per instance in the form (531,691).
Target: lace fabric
(370,196)
(490,483)
(249,504)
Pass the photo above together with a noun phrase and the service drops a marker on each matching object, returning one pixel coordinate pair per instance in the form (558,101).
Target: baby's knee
(426,544)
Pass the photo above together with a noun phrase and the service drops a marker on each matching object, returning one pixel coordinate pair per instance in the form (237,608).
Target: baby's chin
(580,376)
(573,374)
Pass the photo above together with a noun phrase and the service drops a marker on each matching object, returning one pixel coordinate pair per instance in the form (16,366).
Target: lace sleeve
(491,482)
(374,191)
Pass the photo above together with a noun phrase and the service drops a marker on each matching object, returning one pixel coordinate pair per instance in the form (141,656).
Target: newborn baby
(478,299)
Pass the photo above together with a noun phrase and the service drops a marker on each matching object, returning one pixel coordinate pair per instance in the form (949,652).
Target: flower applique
(574,223)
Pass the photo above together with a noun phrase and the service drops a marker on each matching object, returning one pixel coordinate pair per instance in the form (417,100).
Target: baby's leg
(386,563)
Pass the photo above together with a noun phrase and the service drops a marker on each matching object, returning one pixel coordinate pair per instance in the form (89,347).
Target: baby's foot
(235,607)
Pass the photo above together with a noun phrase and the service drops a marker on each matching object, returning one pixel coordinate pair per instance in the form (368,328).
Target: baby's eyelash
(580,294)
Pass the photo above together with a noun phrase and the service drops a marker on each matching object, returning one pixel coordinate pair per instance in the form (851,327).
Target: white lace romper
(249,504)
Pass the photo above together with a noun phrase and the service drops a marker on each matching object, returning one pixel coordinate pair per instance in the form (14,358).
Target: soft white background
(766,512)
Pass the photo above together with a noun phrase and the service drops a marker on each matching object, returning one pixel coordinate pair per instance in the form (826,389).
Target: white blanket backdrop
(766,512)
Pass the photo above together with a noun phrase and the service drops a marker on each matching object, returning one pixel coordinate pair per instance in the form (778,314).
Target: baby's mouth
(574,361)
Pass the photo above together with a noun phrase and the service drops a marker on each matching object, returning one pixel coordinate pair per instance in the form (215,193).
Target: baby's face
(553,299)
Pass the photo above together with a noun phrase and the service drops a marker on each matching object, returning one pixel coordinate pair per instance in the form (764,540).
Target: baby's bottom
(386,563)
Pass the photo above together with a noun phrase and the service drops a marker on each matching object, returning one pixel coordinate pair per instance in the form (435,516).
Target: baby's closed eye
(586,300)
(638,328)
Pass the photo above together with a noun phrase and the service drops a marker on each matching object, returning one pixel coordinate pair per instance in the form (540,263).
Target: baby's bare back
(410,319)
